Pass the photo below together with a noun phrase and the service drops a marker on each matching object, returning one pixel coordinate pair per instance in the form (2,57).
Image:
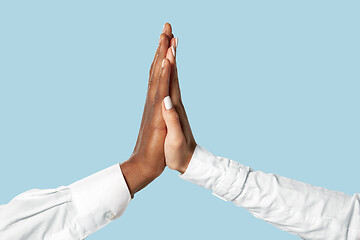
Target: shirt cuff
(224,177)
(100,198)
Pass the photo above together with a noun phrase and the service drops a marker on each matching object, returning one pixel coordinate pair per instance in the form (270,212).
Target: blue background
(271,84)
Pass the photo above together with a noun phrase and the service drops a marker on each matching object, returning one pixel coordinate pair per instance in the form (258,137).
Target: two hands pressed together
(165,137)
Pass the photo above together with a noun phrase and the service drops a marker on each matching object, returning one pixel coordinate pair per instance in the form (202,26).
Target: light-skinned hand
(179,143)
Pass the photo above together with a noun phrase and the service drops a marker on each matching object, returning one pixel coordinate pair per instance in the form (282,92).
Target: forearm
(68,212)
(301,209)
(304,210)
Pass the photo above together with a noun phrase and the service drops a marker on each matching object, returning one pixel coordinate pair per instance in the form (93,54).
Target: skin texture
(147,161)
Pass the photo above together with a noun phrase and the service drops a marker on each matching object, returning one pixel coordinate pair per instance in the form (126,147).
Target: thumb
(171,118)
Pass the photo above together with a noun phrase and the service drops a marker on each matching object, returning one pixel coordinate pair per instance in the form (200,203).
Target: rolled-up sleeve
(68,212)
(301,209)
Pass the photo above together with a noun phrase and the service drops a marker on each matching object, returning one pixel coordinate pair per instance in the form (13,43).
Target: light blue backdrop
(271,84)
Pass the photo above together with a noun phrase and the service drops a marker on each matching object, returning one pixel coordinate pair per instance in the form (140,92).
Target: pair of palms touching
(165,137)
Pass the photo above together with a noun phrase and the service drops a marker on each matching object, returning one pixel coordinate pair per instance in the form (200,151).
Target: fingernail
(163,63)
(176,42)
(164,28)
(167,102)
(173,50)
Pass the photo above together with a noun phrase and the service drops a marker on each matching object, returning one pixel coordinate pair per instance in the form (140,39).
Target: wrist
(181,169)
(136,174)
(187,158)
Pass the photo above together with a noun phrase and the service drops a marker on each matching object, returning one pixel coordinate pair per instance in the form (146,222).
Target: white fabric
(66,213)
(304,210)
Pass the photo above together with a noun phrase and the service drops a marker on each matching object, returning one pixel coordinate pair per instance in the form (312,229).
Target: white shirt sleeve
(301,209)
(66,213)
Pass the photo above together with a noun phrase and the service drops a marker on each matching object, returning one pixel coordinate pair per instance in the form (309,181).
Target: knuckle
(163,36)
(157,97)
(173,116)
(164,39)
